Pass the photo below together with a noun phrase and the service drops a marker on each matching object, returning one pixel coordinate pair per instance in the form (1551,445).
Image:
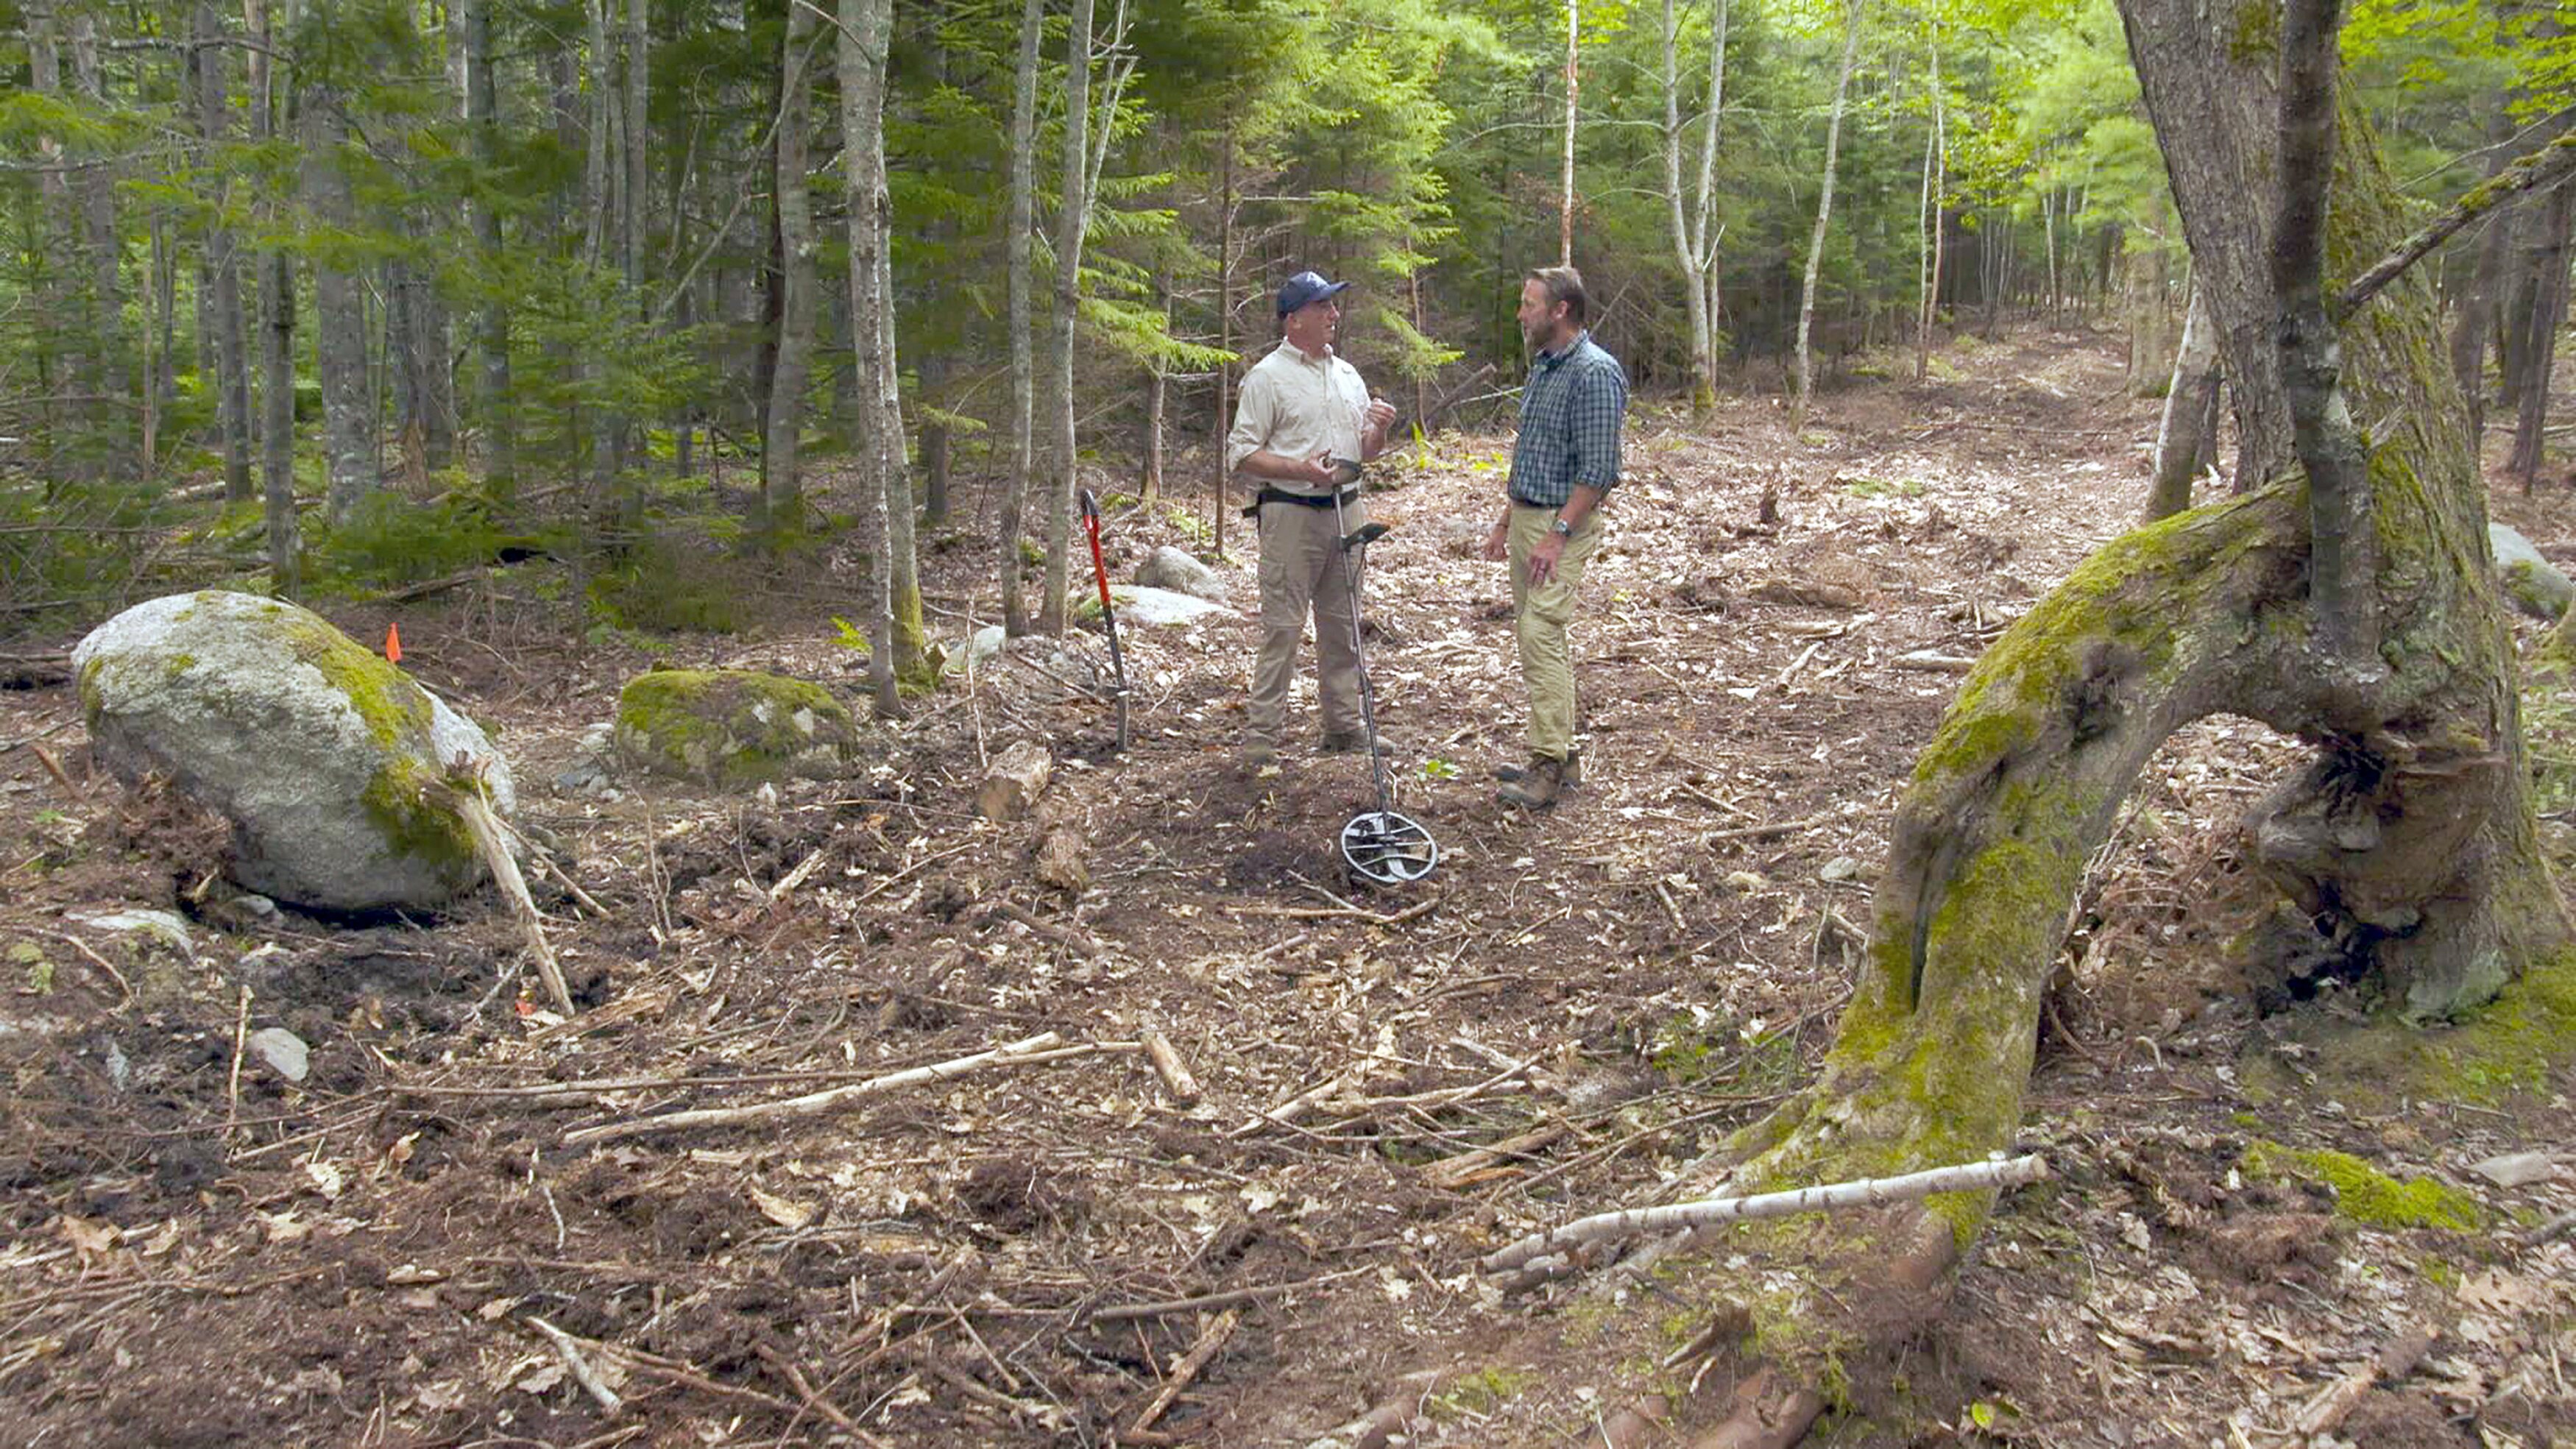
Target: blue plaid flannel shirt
(1571,410)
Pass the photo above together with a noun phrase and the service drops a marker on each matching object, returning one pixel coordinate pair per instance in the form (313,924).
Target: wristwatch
(1560,527)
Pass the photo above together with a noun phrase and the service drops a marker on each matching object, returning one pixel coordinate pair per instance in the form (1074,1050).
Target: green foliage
(388,539)
(668,587)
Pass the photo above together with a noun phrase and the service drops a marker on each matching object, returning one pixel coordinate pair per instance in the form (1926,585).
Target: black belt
(1302,500)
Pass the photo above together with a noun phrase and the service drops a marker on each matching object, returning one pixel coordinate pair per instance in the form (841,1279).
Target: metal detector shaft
(1108,614)
(1351,545)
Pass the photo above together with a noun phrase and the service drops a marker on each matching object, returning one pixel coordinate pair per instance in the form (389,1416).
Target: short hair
(1563,284)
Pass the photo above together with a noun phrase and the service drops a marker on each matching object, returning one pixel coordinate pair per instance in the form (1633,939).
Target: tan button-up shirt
(1296,404)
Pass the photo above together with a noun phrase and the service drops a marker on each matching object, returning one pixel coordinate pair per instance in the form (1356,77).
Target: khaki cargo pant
(1539,620)
(1301,574)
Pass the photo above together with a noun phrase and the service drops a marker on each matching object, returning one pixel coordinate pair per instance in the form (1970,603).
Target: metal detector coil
(1387,849)
(1380,846)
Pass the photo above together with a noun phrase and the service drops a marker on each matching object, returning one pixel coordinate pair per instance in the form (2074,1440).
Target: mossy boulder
(330,763)
(732,727)
(2533,583)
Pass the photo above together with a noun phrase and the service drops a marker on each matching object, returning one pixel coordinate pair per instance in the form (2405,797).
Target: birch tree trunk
(1573,84)
(1693,247)
(1824,210)
(492,314)
(223,268)
(339,314)
(1023,416)
(1073,217)
(1935,178)
(782,499)
(861,48)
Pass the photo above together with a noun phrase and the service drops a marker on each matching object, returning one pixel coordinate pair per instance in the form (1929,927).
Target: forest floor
(397,1249)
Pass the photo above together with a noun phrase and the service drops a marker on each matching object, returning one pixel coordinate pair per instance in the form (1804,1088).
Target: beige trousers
(1301,575)
(1539,619)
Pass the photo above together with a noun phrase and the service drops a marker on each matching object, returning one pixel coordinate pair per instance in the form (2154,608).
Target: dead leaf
(785,1212)
(88,1238)
(281,1227)
(327,1179)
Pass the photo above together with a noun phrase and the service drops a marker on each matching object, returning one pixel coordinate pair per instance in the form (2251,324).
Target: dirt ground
(448,1232)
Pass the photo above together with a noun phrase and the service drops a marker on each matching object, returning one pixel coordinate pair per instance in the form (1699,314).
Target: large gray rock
(2533,583)
(1169,568)
(732,727)
(1140,605)
(327,760)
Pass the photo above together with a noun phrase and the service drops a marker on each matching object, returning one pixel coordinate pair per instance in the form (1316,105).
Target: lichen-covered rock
(1169,568)
(732,727)
(2533,583)
(325,758)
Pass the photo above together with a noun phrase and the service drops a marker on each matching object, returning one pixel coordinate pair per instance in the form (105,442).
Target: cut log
(1018,777)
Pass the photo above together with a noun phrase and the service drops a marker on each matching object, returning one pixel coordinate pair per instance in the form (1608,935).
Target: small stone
(284,1051)
(2516,1169)
(1841,867)
(165,926)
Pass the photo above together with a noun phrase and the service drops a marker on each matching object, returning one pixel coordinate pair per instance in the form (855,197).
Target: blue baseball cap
(1306,287)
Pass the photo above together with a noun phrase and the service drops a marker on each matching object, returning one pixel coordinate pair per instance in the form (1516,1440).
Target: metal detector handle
(1099,565)
(1108,614)
(1365,534)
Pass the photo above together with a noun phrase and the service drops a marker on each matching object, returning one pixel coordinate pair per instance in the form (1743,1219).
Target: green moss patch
(2366,1195)
(732,727)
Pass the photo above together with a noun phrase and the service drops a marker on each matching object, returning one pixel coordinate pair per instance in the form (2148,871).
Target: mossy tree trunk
(2407,849)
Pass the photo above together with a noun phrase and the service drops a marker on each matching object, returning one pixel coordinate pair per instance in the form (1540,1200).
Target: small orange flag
(393,643)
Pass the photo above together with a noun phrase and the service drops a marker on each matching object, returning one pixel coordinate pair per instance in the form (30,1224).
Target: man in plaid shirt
(1564,465)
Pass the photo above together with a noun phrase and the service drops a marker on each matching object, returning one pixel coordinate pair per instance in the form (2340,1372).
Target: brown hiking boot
(1569,775)
(1356,742)
(1537,787)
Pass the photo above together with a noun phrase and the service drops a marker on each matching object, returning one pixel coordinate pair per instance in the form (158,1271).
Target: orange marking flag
(393,643)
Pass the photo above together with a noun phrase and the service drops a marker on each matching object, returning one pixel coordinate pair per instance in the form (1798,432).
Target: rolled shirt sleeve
(1600,404)
(1253,418)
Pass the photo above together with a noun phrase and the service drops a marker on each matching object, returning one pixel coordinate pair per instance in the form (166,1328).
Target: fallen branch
(486,830)
(1187,1370)
(1216,1300)
(1338,913)
(814,1103)
(1169,1066)
(1869,1192)
(2396,1359)
(99,961)
(1762,832)
(788,883)
(1065,936)
(1295,1107)
(578,1365)
(1473,1166)
(1933,662)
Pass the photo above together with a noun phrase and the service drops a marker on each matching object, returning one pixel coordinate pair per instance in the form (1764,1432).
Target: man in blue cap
(1305,416)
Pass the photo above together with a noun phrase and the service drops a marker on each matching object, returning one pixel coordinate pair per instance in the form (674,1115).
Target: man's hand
(1498,544)
(1542,558)
(1319,470)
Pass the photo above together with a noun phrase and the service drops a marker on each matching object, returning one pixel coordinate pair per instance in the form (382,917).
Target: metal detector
(1108,615)
(1379,845)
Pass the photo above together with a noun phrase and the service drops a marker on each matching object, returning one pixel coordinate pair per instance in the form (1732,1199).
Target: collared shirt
(1571,409)
(1297,404)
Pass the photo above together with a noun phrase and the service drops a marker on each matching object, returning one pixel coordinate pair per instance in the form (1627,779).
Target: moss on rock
(2366,1195)
(732,728)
